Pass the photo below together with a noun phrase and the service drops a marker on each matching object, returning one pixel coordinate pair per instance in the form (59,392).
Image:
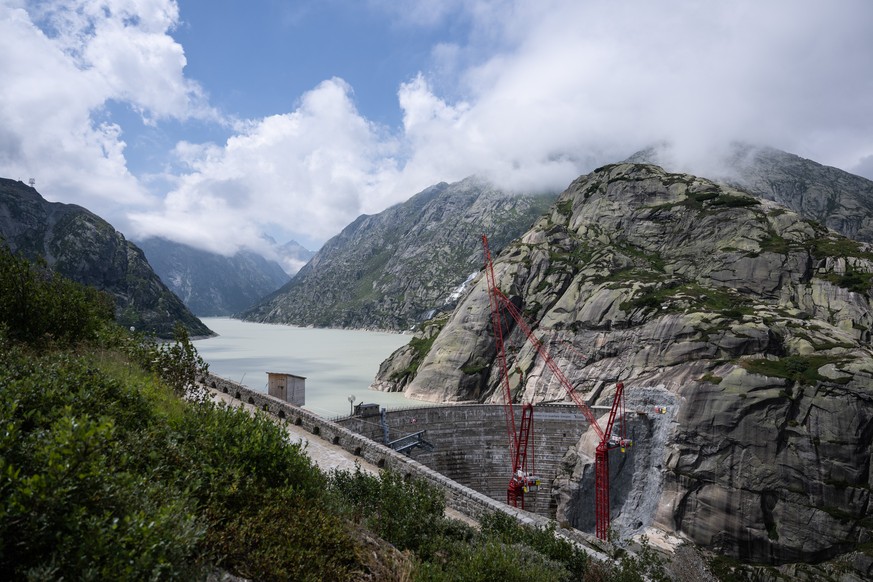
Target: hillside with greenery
(114,467)
(81,246)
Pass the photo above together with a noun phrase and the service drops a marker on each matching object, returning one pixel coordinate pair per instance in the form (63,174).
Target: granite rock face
(749,324)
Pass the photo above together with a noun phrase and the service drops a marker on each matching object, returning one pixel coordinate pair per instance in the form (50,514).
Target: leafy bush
(509,531)
(178,363)
(73,503)
(405,513)
(802,369)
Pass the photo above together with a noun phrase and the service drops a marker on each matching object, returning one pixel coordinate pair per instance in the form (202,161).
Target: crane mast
(521,481)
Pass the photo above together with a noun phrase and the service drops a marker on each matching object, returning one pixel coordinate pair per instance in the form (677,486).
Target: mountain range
(83,247)
(211,284)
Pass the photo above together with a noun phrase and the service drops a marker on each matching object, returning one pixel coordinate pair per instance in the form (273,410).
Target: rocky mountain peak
(83,247)
(749,322)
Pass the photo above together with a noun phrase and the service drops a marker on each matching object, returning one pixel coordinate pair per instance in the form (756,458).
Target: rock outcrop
(85,248)
(750,324)
(397,268)
(839,200)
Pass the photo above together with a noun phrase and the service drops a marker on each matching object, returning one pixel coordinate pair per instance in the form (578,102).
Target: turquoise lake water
(336,363)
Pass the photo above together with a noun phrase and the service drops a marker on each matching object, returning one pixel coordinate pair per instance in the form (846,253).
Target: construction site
(535,457)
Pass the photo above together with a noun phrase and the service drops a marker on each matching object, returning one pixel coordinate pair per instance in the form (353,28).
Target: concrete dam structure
(471,446)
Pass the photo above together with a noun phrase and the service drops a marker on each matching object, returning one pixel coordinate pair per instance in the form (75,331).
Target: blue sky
(257,58)
(215,123)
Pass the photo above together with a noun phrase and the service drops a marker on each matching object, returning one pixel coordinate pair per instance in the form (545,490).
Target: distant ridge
(211,284)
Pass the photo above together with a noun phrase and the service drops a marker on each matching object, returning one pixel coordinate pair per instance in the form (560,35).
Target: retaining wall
(458,497)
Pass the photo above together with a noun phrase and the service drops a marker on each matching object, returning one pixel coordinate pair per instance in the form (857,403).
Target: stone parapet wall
(458,497)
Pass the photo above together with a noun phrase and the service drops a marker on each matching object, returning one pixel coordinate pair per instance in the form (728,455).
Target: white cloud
(61,64)
(310,172)
(588,81)
(533,95)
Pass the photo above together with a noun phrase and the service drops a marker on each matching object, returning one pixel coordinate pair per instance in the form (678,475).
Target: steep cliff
(750,324)
(85,248)
(211,284)
(394,269)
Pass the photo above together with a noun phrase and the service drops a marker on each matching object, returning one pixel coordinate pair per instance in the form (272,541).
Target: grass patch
(801,369)
(774,243)
(822,248)
(679,297)
(852,280)
(703,196)
(734,201)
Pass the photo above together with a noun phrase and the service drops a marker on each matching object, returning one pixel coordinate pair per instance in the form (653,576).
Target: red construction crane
(500,303)
(521,481)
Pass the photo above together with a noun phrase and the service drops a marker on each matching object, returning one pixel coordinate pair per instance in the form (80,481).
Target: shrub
(509,531)
(802,369)
(405,513)
(73,503)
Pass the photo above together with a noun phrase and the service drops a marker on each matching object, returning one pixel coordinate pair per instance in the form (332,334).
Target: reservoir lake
(336,363)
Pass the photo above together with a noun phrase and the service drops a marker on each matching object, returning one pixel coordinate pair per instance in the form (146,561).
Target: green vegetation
(474,368)
(40,307)
(853,280)
(420,346)
(591,189)
(734,201)
(703,196)
(774,243)
(710,200)
(802,369)
(580,254)
(677,296)
(824,247)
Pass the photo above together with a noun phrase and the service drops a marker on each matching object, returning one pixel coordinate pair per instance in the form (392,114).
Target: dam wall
(472,445)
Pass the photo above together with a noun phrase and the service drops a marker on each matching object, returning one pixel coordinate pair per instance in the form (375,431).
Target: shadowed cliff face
(751,324)
(85,248)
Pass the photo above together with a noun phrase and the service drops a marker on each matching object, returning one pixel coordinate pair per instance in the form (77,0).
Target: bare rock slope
(751,323)
(394,269)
